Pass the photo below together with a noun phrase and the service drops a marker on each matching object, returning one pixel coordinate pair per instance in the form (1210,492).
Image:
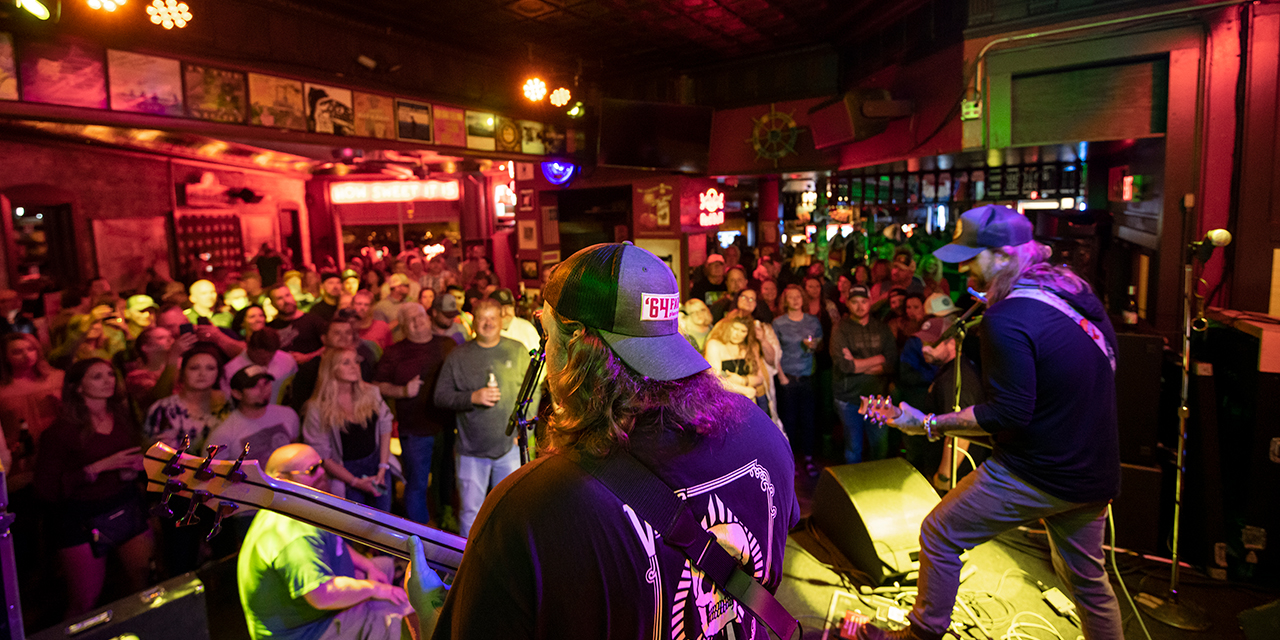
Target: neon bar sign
(711,208)
(393,191)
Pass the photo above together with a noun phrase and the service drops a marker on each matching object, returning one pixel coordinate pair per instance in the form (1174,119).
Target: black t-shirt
(554,554)
(301,335)
(359,441)
(323,309)
(1051,397)
(402,361)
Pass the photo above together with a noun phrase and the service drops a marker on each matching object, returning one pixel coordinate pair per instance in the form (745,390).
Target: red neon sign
(393,191)
(711,208)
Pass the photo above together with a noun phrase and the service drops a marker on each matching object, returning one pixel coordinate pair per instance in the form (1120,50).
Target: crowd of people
(402,348)
(807,338)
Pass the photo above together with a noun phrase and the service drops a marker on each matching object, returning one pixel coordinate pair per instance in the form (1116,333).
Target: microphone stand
(11,620)
(961,329)
(1169,609)
(519,423)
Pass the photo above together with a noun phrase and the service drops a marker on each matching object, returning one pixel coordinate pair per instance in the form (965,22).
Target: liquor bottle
(1130,313)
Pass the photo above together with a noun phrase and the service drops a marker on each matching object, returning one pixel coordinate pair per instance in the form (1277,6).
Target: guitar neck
(366,525)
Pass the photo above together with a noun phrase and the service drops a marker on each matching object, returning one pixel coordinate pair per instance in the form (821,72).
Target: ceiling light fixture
(560,97)
(535,89)
(169,13)
(108,5)
(35,8)
(577,111)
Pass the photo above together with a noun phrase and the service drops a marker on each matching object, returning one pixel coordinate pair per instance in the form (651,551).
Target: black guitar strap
(656,503)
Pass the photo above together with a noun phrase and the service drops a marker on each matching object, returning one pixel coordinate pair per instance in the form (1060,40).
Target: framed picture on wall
(528,235)
(525,202)
(529,269)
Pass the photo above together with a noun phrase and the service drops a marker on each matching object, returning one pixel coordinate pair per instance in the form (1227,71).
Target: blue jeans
(368,466)
(415,457)
(989,502)
(478,476)
(855,429)
(795,407)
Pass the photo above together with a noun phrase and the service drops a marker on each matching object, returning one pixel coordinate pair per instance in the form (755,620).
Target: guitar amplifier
(173,609)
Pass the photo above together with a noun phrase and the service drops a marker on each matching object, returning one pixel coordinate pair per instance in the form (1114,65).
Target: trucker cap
(987,227)
(631,298)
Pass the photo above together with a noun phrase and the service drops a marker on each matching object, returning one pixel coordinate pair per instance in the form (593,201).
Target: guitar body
(239,486)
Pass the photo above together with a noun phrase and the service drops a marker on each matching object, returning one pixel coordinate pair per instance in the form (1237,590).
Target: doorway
(43,244)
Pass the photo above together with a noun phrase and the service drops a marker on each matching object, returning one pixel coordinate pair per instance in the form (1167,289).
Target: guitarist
(1048,372)
(554,553)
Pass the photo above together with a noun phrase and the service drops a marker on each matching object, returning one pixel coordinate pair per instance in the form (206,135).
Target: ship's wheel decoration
(774,135)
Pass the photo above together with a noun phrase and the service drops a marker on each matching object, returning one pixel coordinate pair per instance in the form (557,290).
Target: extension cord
(1061,604)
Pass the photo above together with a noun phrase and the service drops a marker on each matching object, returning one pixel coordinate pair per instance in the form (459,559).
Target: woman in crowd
(931,273)
(861,275)
(87,473)
(735,356)
(249,319)
(799,336)
(749,308)
(769,298)
(151,375)
(98,334)
(197,407)
(426,298)
(30,394)
(844,283)
(349,425)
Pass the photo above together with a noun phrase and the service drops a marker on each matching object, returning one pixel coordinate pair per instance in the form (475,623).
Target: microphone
(1213,239)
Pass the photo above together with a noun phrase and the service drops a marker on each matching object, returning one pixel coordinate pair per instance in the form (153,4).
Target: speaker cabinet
(872,512)
(844,121)
(1138,362)
(173,609)
(1137,512)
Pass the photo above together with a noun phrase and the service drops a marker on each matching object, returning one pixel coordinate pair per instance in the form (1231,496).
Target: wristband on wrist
(384,466)
(931,430)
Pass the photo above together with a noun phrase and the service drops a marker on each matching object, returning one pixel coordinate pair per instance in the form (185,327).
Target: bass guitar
(228,487)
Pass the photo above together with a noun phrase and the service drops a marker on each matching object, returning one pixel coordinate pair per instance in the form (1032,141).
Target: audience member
(330,292)
(388,308)
(12,319)
(338,334)
(408,372)
(427,298)
(865,356)
(907,324)
(368,327)
(734,355)
(695,322)
(480,381)
(438,275)
(349,424)
(514,326)
(196,407)
(735,281)
(299,332)
(249,320)
(446,319)
(711,286)
(799,336)
(86,474)
(769,302)
(204,300)
(263,349)
(30,396)
(139,314)
(255,421)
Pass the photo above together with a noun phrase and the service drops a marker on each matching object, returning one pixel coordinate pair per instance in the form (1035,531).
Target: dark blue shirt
(1051,397)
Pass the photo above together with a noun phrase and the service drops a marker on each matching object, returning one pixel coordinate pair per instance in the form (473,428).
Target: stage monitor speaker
(845,120)
(172,609)
(872,512)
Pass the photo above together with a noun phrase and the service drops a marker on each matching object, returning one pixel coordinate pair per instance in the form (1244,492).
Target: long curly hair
(1030,262)
(720,333)
(364,396)
(600,401)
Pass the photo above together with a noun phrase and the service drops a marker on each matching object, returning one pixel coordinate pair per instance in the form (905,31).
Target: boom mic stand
(1170,609)
(961,329)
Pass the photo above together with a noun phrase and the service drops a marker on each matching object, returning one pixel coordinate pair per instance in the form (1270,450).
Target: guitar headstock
(225,486)
(879,409)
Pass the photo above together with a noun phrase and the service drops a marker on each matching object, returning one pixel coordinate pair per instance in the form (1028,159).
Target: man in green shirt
(299,582)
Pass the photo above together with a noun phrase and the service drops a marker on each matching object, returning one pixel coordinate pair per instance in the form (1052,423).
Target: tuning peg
(224,509)
(203,474)
(197,498)
(235,474)
(162,509)
(173,468)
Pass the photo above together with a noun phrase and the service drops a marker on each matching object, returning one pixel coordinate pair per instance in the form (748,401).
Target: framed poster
(145,84)
(551,227)
(527,235)
(330,109)
(507,133)
(531,138)
(524,201)
(524,170)
(8,69)
(480,131)
(276,102)
(451,126)
(413,121)
(375,116)
(125,264)
(215,94)
(529,269)
(64,71)
(553,139)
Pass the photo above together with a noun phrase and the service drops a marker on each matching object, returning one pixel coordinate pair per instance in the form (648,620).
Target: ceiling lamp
(577,111)
(535,89)
(35,8)
(169,13)
(109,5)
(560,97)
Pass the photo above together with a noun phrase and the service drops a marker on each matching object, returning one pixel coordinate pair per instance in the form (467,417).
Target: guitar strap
(655,502)
(1058,303)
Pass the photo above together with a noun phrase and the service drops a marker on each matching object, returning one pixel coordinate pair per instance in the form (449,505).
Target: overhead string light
(107,5)
(560,97)
(169,13)
(534,88)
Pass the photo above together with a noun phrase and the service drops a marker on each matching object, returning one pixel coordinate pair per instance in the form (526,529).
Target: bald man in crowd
(298,581)
(204,300)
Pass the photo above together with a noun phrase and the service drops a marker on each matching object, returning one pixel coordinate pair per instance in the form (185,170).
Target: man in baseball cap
(513,326)
(140,314)
(623,379)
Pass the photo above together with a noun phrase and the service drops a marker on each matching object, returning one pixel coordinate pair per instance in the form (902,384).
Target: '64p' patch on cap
(631,298)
